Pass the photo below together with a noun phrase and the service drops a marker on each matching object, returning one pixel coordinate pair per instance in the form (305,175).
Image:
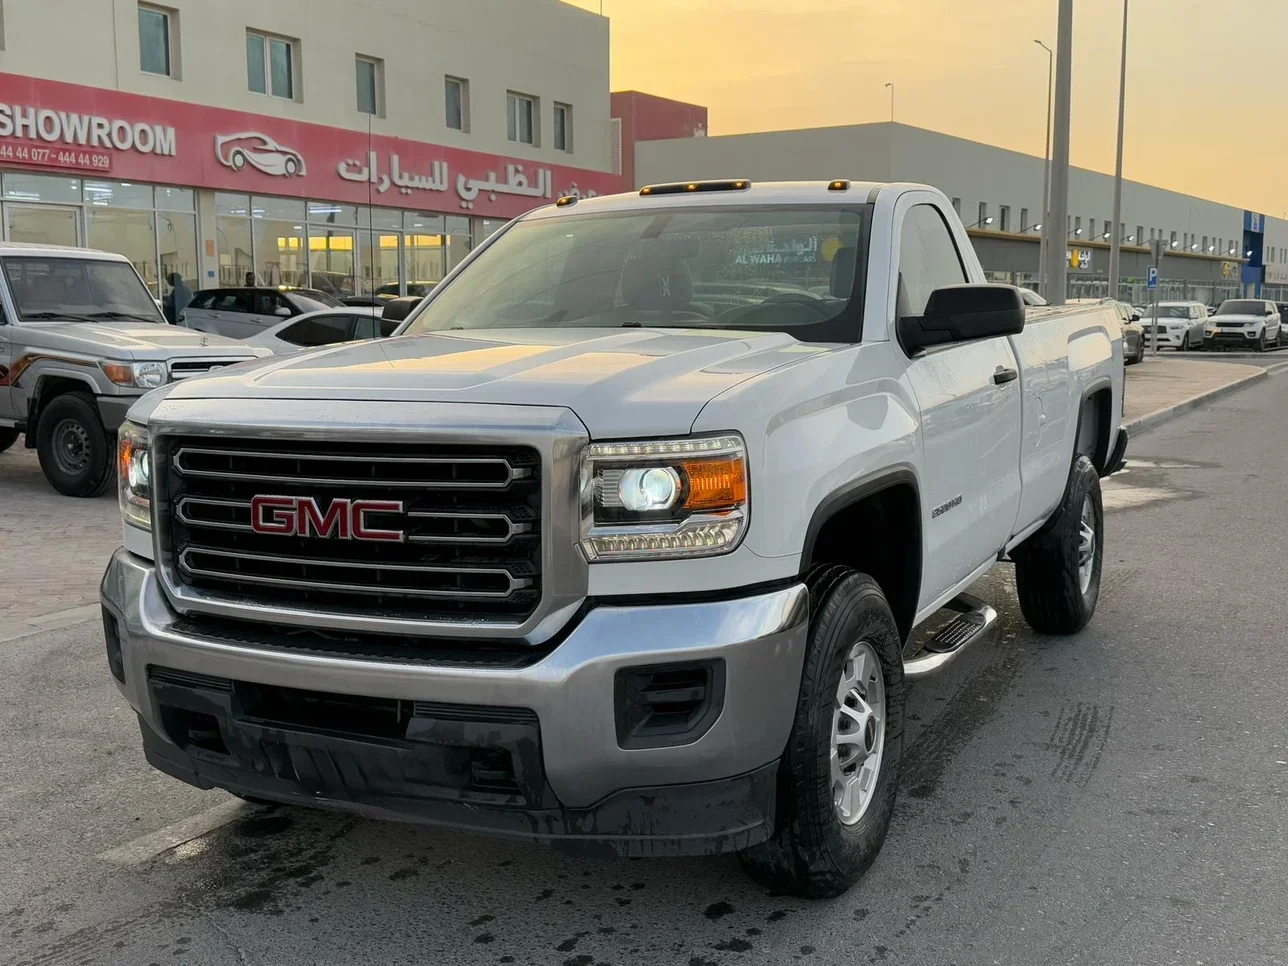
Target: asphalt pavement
(1119,797)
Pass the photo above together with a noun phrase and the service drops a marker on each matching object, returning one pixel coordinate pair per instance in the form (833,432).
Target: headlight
(134,471)
(144,375)
(664,498)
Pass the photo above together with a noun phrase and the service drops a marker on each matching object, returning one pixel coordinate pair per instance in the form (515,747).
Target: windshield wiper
(60,316)
(131,316)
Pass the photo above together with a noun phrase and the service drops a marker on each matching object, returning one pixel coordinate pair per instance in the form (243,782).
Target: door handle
(1003,375)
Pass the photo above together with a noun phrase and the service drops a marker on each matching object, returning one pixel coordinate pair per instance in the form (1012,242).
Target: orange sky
(1206,90)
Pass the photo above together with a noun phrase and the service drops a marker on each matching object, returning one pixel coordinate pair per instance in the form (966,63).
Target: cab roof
(677,195)
(18,248)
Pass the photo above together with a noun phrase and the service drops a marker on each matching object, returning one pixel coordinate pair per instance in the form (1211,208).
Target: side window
(202,300)
(364,326)
(388,327)
(321,330)
(928,259)
(231,302)
(263,303)
(1194,311)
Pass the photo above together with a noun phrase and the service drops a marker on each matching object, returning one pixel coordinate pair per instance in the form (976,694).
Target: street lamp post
(891,86)
(1114,248)
(1056,264)
(1046,175)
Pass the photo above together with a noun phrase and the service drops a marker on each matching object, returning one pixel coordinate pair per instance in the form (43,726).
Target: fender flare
(854,492)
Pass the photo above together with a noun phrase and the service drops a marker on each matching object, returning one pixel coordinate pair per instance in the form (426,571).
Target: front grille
(1231,325)
(187,368)
(449,533)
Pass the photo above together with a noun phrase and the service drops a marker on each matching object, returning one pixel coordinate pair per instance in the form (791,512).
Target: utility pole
(1116,245)
(1046,174)
(1056,262)
(891,86)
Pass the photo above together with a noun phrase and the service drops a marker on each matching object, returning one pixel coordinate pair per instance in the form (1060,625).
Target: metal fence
(1135,293)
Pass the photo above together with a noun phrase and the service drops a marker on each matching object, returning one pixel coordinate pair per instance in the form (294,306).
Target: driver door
(969,396)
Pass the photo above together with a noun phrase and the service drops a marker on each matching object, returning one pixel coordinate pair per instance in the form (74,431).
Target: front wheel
(1185,343)
(1261,343)
(74,448)
(1057,571)
(838,778)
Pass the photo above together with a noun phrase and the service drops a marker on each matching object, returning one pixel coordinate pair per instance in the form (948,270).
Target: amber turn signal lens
(119,374)
(718,484)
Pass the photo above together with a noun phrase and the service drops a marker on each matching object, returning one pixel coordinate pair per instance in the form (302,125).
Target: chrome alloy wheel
(858,733)
(1086,544)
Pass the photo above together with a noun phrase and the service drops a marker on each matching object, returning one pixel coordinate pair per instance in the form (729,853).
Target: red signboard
(59,126)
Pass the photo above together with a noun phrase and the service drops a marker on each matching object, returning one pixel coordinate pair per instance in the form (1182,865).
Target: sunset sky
(1205,87)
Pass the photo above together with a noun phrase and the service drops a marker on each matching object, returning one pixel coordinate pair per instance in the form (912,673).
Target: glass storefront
(154,227)
(340,249)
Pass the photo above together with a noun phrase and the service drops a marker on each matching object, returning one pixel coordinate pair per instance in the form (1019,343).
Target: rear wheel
(1057,571)
(838,778)
(8,436)
(74,448)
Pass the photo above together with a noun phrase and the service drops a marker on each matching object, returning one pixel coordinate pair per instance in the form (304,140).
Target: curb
(1160,416)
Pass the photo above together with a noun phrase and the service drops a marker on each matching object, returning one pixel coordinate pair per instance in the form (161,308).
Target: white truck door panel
(1048,410)
(970,421)
(970,431)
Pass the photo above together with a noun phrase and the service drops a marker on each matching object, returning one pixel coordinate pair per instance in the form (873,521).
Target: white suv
(1179,325)
(1243,323)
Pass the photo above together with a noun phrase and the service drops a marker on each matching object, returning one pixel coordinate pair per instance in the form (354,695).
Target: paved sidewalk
(1163,382)
(55,547)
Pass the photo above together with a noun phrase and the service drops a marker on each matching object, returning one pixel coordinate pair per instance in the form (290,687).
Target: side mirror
(1135,316)
(960,313)
(282,313)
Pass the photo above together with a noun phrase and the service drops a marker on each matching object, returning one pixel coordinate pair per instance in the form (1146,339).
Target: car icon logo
(260,152)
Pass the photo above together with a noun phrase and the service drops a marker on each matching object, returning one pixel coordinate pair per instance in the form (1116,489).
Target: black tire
(8,436)
(86,471)
(1140,352)
(1185,343)
(1261,343)
(1047,574)
(813,854)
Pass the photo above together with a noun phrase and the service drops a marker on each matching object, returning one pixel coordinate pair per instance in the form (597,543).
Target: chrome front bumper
(760,638)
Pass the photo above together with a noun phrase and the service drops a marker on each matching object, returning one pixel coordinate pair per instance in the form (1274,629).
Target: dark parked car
(240,313)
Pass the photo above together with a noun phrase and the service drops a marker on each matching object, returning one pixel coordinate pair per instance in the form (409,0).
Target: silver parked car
(240,313)
(327,327)
(81,339)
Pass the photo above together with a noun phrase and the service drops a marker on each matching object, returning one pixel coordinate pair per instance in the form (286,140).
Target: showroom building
(312,143)
(1215,251)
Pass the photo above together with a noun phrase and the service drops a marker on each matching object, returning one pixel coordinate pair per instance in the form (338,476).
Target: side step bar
(975,619)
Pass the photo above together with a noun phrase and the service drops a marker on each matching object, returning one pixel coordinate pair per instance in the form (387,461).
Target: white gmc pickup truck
(625,540)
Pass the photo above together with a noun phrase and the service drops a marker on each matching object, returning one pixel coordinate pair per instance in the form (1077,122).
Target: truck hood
(141,340)
(619,382)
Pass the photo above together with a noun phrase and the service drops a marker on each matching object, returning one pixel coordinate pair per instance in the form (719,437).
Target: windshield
(1170,312)
(1241,307)
(46,287)
(790,270)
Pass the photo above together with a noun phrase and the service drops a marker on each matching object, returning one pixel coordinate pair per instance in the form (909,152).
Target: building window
(1024,220)
(270,65)
(156,37)
(458,104)
(521,114)
(1077,226)
(983,214)
(1004,218)
(1139,237)
(371,74)
(1172,240)
(957,206)
(563,127)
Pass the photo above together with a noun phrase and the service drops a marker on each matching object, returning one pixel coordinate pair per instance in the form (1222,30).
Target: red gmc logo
(302,516)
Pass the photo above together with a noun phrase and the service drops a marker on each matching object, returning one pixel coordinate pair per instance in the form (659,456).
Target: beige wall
(545,48)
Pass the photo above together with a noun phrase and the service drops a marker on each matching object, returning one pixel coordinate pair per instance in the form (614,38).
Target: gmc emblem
(302,516)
